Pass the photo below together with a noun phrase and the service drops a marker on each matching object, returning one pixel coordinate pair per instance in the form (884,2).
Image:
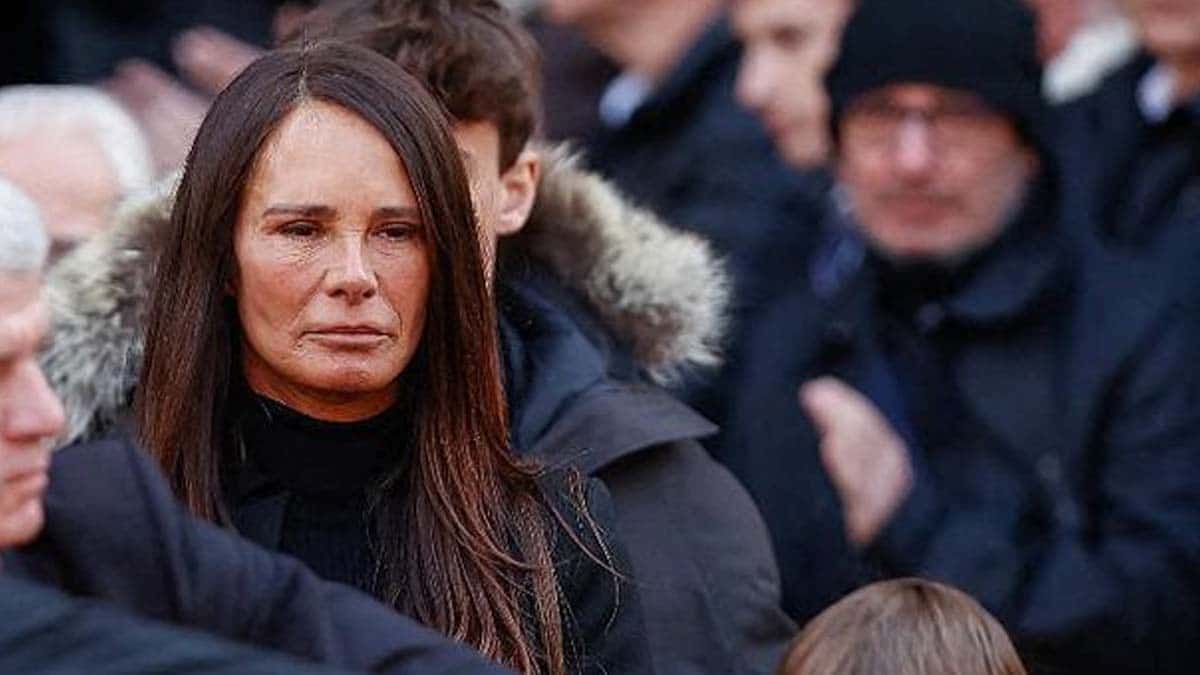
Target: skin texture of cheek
(280,318)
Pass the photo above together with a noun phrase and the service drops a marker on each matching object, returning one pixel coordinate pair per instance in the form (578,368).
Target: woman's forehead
(322,151)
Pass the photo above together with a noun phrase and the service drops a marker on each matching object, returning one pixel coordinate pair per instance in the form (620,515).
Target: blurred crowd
(805,337)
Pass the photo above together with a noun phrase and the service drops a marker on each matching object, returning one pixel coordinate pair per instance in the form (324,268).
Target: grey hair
(35,107)
(24,244)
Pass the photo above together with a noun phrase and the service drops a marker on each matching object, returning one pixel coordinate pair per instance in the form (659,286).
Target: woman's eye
(398,231)
(302,229)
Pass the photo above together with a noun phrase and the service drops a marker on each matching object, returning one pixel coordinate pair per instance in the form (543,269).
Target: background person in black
(983,400)
(1132,149)
(673,136)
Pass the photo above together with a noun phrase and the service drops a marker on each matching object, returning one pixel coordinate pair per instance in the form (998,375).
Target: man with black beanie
(984,398)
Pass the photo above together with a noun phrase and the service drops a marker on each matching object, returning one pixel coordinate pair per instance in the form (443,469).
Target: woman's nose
(351,276)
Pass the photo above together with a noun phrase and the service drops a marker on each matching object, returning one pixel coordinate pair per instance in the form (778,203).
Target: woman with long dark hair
(322,369)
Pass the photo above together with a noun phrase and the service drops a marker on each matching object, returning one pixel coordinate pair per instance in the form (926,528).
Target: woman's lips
(349,338)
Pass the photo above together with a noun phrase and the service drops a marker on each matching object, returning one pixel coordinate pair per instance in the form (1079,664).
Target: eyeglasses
(953,122)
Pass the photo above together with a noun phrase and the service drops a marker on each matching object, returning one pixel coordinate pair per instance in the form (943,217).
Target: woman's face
(332,266)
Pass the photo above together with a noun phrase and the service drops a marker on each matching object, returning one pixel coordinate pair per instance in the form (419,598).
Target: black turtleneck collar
(312,457)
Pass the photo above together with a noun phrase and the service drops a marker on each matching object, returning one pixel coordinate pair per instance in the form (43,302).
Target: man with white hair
(75,152)
(98,521)
(30,414)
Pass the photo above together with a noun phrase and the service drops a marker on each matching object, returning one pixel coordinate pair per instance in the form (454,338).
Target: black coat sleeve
(1116,585)
(45,631)
(115,532)
(605,632)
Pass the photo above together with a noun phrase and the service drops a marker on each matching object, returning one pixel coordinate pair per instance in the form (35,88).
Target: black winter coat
(115,533)
(603,626)
(1057,477)
(1133,181)
(46,631)
(700,554)
(693,155)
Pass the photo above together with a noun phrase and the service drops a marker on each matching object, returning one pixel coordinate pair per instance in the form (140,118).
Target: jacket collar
(567,380)
(715,47)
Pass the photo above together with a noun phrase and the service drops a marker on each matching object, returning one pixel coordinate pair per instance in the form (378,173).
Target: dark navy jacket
(1133,181)
(115,533)
(47,631)
(1065,495)
(701,557)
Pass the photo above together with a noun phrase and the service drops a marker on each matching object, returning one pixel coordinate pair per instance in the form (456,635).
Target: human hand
(169,113)
(867,461)
(210,59)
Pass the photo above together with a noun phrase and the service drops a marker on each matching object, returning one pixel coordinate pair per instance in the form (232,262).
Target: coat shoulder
(703,559)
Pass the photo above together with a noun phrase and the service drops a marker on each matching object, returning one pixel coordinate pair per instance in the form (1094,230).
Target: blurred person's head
(323,252)
(75,152)
(482,65)
(30,414)
(789,46)
(1170,29)
(903,627)
(938,116)
(647,37)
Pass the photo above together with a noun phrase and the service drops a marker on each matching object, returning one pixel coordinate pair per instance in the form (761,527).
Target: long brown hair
(903,627)
(463,531)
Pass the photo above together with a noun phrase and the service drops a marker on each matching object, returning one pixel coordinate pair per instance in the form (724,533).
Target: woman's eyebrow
(318,211)
(398,212)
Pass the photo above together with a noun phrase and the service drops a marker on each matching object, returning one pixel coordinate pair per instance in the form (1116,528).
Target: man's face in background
(932,174)
(30,413)
(789,45)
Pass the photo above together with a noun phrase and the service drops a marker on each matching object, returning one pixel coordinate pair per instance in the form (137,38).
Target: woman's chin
(351,382)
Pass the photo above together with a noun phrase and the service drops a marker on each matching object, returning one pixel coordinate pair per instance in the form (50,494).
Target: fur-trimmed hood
(659,291)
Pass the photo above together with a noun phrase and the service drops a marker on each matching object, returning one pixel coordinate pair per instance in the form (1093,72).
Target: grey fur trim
(97,296)
(659,290)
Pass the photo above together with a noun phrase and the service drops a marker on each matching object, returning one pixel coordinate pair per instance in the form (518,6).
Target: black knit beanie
(987,47)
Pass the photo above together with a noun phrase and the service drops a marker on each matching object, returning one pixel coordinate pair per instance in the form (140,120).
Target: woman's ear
(519,184)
